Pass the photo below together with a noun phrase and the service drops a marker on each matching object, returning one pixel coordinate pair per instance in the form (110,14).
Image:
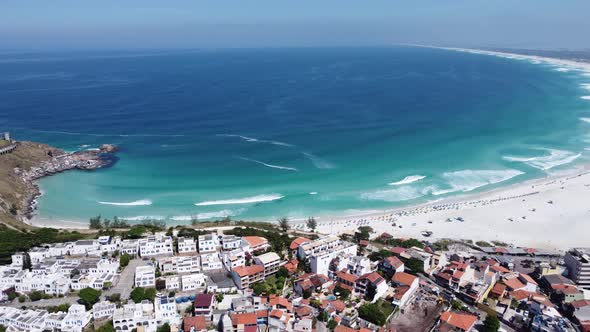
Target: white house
(172,282)
(133,315)
(208,243)
(145,276)
(234,258)
(270,261)
(154,245)
(230,242)
(321,252)
(76,318)
(371,283)
(406,287)
(103,310)
(165,310)
(187,245)
(192,282)
(210,262)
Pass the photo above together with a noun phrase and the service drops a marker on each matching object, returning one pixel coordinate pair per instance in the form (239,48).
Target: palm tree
(312,223)
(284,224)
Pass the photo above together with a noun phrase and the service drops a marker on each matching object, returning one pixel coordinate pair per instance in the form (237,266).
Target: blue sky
(260,23)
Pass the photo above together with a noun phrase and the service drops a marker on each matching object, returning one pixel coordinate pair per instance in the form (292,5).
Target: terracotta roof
(501,250)
(338,305)
(514,283)
(364,329)
(277,313)
(499,289)
(255,241)
(394,261)
(292,265)
(283,302)
(403,278)
(528,279)
(373,277)
(263,313)
(198,322)
(342,328)
(580,303)
(364,243)
(458,274)
(458,319)
(499,268)
(243,319)
(386,236)
(303,311)
(243,271)
(400,292)
(397,250)
(297,242)
(347,277)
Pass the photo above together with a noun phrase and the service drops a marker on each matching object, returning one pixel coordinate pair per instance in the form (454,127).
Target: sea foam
(141,202)
(408,179)
(286,168)
(545,162)
(318,162)
(245,200)
(587,120)
(585,97)
(468,180)
(256,140)
(404,193)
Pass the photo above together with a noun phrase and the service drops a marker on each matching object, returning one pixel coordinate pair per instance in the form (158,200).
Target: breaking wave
(585,97)
(407,180)
(141,202)
(468,180)
(292,169)
(207,215)
(103,135)
(545,162)
(585,120)
(404,193)
(245,200)
(317,161)
(256,140)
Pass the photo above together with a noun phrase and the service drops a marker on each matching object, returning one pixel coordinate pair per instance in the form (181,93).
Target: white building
(165,310)
(180,264)
(234,258)
(230,242)
(187,245)
(157,244)
(145,276)
(103,310)
(172,282)
(208,243)
(192,282)
(129,247)
(321,252)
(577,261)
(84,247)
(135,315)
(270,261)
(76,318)
(210,262)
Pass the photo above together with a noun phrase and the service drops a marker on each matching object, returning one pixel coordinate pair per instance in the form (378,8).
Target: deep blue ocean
(264,133)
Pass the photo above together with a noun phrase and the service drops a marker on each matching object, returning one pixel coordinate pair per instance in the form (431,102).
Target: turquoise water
(263,133)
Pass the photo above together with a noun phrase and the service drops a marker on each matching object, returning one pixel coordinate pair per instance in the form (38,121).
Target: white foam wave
(246,200)
(286,168)
(317,161)
(468,180)
(408,179)
(562,69)
(141,202)
(585,120)
(394,195)
(206,215)
(256,140)
(545,162)
(313,192)
(141,218)
(585,86)
(585,97)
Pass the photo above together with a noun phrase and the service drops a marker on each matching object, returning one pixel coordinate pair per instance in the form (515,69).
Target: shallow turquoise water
(265,133)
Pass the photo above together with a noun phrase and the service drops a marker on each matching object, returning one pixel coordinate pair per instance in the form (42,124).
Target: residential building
(270,261)
(186,245)
(208,243)
(294,247)
(456,321)
(145,276)
(194,324)
(371,286)
(244,276)
(156,245)
(391,265)
(204,305)
(321,252)
(193,282)
(76,318)
(172,282)
(103,310)
(231,242)
(577,261)
(406,287)
(134,315)
(210,262)
(254,244)
(233,258)
(165,310)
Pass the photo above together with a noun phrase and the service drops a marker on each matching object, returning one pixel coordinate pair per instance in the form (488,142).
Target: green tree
(108,327)
(219,297)
(332,324)
(96,222)
(136,231)
(491,323)
(312,223)
(372,313)
(415,265)
(284,224)
(36,295)
(89,296)
(164,328)
(283,272)
(363,233)
(139,294)
(124,260)
(323,316)
(115,297)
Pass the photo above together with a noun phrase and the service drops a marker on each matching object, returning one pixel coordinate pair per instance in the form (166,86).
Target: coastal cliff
(31,161)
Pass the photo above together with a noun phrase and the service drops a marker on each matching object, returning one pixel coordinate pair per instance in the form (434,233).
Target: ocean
(257,134)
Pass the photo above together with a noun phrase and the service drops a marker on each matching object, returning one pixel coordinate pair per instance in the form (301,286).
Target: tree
(323,316)
(372,313)
(332,324)
(160,284)
(89,296)
(27,265)
(139,294)
(312,223)
(95,222)
(36,295)
(136,232)
(491,323)
(219,297)
(415,265)
(124,260)
(164,328)
(108,327)
(284,224)
(363,233)
(283,272)
(115,297)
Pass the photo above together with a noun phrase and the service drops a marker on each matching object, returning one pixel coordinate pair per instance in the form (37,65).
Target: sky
(112,24)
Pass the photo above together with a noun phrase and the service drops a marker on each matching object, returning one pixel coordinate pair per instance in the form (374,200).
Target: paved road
(126,279)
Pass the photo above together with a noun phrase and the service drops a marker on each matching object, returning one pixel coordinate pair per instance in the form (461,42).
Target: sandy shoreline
(550,212)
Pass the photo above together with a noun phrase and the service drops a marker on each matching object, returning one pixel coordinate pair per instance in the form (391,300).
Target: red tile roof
(277,313)
(198,322)
(342,328)
(373,277)
(243,271)
(364,243)
(458,319)
(394,261)
(243,319)
(303,311)
(528,279)
(514,284)
(255,241)
(580,303)
(347,277)
(338,305)
(297,242)
(403,278)
(203,300)
(397,250)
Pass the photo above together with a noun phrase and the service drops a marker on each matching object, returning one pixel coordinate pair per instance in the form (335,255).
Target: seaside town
(248,277)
